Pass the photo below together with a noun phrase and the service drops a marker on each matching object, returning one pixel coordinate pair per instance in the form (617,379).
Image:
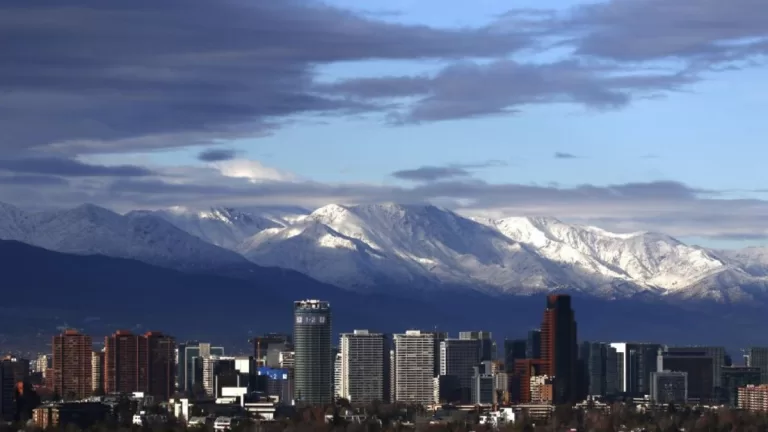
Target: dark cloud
(706,31)
(434,173)
(149,74)
(216,155)
(70,168)
(467,89)
(32,180)
(563,155)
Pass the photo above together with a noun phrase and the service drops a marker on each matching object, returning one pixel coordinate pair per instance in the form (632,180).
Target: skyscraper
(533,347)
(189,376)
(514,349)
(72,360)
(161,365)
(97,371)
(312,345)
(559,351)
(599,364)
(635,363)
(758,357)
(14,373)
(364,375)
(485,342)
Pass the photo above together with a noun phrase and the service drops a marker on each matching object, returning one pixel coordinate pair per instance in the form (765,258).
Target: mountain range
(387,267)
(410,249)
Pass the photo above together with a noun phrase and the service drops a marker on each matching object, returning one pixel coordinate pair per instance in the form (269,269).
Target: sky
(625,114)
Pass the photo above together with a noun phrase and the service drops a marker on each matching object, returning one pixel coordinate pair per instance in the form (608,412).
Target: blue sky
(658,103)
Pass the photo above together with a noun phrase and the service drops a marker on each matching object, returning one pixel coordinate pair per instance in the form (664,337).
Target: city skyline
(565,109)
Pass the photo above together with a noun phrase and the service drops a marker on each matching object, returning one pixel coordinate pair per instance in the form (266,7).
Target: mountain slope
(88,230)
(221,226)
(417,247)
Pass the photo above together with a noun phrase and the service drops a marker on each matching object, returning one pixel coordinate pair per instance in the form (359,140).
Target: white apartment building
(414,367)
(363,366)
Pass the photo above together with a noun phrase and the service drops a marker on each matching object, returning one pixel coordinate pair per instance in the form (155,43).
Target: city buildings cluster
(545,368)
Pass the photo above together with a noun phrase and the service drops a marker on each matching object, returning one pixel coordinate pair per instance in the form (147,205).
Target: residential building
(559,350)
(161,365)
(97,371)
(312,346)
(669,387)
(542,387)
(139,363)
(72,360)
(754,398)
(520,382)
(364,373)
(459,357)
(414,366)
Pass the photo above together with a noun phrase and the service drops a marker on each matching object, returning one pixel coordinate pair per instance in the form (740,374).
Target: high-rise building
(485,342)
(161,365)
(312,346)
(514,349)
(599,362)
(189,375)
(364,372)
(717,354)
(459,357)
(754,398)
(267,348)
(735,377)
(124,366)
(559,351)
(139,363)
(97,371)
(414,367)
(698,368)
(635,362)
(533,346)
(14,373)
(72,360)
(482,387)
(43,363)
(758,357)
(669,387)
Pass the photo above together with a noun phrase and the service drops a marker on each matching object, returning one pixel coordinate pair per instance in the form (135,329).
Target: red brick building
(140,363)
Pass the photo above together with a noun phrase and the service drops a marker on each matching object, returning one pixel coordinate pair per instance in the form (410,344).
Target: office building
(278,382)
(717,354)
(599,362)
(514,349)
(520,382)
(267,348)
(72,360)
(414,367)
(735,377)
(459,358)
(364,373)
(635,362)
(161,365)
(533,345)
(559,351)
(698,368)
(97,372)
(313,370)
(485,342)
(14,374)
(189,374)
(754,398)
(757,357)
(482,389)
(669,387)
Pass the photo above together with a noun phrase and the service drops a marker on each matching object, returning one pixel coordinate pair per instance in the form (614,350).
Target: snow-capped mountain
(88,229)
(356,246)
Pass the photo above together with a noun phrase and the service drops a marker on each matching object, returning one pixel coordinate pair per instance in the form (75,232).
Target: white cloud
(252,170)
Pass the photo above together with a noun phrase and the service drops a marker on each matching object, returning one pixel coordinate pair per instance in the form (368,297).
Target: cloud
(504,87)
(434,173)
(563,155)
(665,206)
(216,155)
(70,168)
(32,180)
(149,75)
(704,32)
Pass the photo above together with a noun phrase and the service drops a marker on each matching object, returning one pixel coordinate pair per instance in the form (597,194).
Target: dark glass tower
(312,345)
(559,351)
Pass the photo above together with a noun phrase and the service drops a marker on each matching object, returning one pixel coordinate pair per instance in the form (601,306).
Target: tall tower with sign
(313,369)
